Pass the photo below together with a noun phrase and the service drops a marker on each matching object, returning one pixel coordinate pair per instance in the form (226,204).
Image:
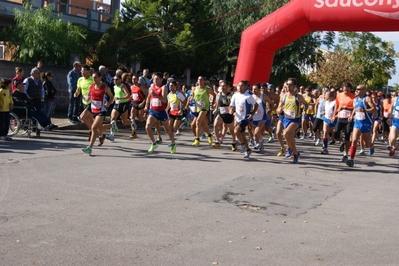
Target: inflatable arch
(260,41)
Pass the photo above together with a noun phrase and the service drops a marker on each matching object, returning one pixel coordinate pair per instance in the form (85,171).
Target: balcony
(98,18)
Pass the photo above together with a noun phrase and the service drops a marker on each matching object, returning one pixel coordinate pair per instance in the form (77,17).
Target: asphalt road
(200,206)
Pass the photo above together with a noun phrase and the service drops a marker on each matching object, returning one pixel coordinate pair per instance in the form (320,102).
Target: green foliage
(361,58)
(41,34)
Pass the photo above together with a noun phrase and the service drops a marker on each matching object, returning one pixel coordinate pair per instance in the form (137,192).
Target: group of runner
(256,110)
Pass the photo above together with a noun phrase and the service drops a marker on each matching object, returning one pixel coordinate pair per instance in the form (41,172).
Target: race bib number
(289,114)
(329,115)
(223,110)
(360,116)
(117,101)
(86,97)
(156,102)
(241,109)
(174,107)
(344,114)
(201,105)
(259,112)
(96,104)
(192,109)
(135,96)
(386,114)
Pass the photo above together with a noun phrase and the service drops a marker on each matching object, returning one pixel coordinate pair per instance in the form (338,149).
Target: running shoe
(101,140)
(216,145)
(159,140)
(110,137)
(134,125)
(234,146)
(391,151)
(350,163)
(114,126)
(153,147)
(210,140)
(371,150)
(317,142)
(8,138)
(331,142)
(296,158)
(342,146)
(280,153)
(221,139)
(247,154)
(303,137)
(87,150)
(242,149)
(324,151)
(362,153)
(172,148)
(288,153)
(251,142)
(196,142)
(177,133)
(257,146)
(133,136)
(270,140)
(344,159)
(203,136)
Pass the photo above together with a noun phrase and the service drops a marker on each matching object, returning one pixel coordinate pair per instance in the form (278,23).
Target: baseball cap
(270,86)
(379,94)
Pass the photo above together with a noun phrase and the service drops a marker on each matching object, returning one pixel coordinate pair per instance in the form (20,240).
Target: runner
(393,117)
(320,112)
(280,126)
(241,104)
(328,118)
(260,115)
(290,105)
(308,113)
(156,107)
(223,118)
(83,87)
(201,96)
(176,101)
(386,106)
(138,103)
(98,105)
(377,116)
(121,106)
(343,110)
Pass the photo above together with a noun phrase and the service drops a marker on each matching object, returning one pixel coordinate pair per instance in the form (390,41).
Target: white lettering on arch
(333,4)
(371,2)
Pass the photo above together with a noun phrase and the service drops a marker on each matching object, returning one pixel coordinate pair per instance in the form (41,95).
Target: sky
(385,36)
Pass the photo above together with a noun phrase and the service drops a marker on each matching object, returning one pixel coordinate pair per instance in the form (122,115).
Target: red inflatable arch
(260,41)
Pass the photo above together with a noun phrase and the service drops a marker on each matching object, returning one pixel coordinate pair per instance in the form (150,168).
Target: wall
(7,70)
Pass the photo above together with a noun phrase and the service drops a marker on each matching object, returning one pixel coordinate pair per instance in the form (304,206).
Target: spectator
(74,103)
(21,99)
(144,80)
(39,65)
(19,77)
(6,105)
(34,89)
(49,99)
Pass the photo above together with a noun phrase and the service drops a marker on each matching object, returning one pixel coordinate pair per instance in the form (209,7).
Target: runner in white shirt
(241,104)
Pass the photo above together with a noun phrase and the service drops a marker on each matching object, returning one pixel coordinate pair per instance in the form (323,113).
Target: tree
(41,34)
(361,58)
(334,68)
